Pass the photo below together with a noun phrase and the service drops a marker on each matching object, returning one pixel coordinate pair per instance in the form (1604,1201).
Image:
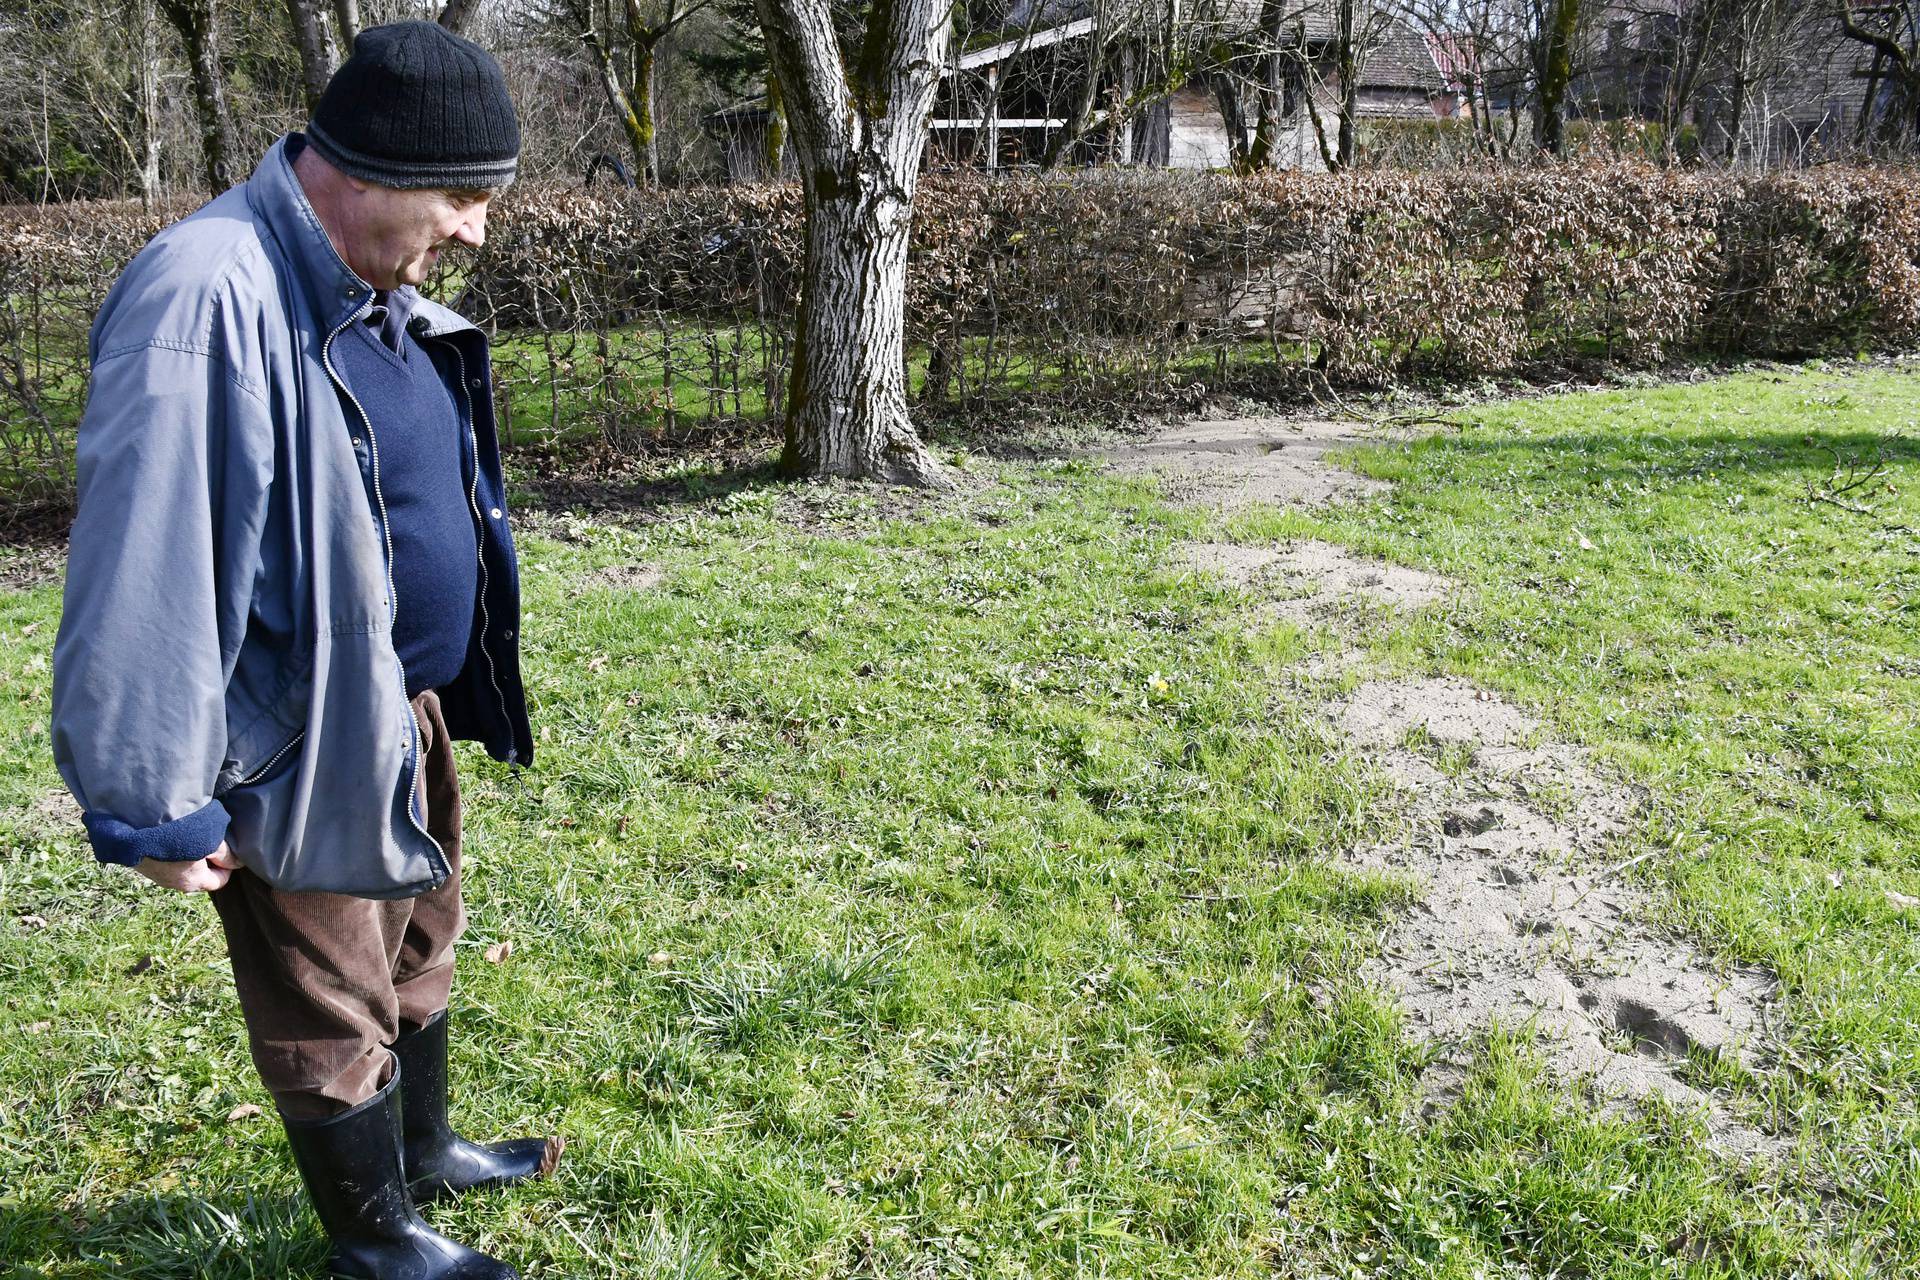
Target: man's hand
(203,875)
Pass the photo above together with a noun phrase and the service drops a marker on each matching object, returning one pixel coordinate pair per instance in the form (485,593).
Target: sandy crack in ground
(1321,576)
(1232,462)
(1521,922)
(622,577)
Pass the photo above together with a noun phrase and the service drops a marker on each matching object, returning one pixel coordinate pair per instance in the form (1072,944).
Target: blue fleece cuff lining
(182,840)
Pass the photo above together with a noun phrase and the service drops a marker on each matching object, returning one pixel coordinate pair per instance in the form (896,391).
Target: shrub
(640,312)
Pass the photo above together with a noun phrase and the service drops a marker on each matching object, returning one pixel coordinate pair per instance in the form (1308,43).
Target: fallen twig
(1608,874)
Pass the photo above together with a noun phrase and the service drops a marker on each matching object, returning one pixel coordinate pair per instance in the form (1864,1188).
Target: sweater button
(477,383)
(495,513)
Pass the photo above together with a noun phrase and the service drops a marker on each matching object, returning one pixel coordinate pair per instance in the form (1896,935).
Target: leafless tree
(1489,48)
(1758,43)
(198,24)
(625,48)
(1890,114)
(457,15)
(857,103)
(315,48)
(1557,23)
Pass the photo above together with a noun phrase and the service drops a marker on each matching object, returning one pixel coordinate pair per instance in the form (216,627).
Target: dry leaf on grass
(499,951)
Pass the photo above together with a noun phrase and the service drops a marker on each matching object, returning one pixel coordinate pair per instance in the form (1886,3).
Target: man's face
(396,236)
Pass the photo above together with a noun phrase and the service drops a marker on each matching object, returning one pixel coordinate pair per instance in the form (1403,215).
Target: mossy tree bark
(857,119)
(198,22)
(1556,74)
(633,97)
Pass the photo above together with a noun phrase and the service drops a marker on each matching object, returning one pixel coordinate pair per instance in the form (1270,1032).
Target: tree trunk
(1353,28)
(1868,102)
(776,128)
(149,125)
(992,116)
(1736,118)
(617,98)
(310,40)
(1081,113)
(1556,74)
(346,18)
(456,14)
(143,91)
(847,401)
(1349,128)
(1270,96)
(1330,161)
(1900,70)
(859,119)
(197,21)
(1233,118)
(646,58)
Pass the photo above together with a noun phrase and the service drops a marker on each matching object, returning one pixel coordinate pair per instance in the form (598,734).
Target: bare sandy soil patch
(624,577)
(1525,918)
(1236,462)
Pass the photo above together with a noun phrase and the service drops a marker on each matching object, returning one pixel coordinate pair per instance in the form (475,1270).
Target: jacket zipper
(480,532)
(393,603)
(272,760)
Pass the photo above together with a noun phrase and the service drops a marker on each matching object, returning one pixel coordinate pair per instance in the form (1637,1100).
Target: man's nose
(472,231)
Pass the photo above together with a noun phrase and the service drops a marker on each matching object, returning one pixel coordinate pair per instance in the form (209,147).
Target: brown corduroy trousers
(327,981)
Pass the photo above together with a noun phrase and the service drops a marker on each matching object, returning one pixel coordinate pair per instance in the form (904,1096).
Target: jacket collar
(329,287)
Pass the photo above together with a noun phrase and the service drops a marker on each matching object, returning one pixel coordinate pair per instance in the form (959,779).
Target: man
(290,585)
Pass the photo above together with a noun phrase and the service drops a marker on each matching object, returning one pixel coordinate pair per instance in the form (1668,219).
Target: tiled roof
(1402,59)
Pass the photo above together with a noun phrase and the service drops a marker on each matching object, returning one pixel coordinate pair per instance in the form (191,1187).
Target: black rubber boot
(439,1161)
(351,1165)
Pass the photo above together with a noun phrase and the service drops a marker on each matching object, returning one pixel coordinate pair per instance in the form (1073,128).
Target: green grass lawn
(960,894)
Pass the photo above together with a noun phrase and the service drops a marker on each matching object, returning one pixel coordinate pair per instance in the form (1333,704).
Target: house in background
(1808,88)
(1009,101)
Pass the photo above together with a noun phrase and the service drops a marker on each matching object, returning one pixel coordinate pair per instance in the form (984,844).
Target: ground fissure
(1525,916)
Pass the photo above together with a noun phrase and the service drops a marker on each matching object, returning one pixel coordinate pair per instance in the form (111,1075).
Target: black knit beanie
(417,106)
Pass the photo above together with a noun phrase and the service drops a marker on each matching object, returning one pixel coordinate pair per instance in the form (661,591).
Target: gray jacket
(225,666)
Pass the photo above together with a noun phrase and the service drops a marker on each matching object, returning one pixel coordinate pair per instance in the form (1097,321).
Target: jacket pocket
(262,801)
(279,760)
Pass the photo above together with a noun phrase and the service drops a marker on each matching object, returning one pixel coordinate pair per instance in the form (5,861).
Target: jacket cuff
(186,839)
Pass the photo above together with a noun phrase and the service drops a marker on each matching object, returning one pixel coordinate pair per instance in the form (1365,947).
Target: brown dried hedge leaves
(670,305)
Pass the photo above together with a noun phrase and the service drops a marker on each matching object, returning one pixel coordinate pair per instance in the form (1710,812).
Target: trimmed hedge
(638,312)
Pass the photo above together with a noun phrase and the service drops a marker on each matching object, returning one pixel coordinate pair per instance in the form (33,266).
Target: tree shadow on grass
(640,495)
(226,1234)
(637,497)
(1558,460)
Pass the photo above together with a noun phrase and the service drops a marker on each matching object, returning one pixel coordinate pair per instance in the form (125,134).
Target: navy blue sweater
(421,472)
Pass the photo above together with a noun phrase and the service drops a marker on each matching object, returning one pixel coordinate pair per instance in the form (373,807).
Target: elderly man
(290,587)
